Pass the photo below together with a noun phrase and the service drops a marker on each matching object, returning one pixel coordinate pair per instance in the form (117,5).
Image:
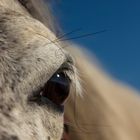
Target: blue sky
(118,49)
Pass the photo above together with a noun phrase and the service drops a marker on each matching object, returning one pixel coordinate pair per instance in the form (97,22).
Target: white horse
(37,75)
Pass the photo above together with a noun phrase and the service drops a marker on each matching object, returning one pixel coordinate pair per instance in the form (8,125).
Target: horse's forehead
(31,43)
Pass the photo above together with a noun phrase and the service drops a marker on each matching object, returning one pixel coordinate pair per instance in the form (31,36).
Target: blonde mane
(109,109)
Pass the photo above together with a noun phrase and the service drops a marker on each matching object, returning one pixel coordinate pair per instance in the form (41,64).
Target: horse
(36,73)
(41,80)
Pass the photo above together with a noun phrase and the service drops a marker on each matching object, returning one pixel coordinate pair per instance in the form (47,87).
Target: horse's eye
(57,88)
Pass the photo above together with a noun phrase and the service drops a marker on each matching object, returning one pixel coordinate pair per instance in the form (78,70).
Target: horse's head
(35,76)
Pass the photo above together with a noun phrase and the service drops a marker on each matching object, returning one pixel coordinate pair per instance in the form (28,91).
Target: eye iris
(57,88)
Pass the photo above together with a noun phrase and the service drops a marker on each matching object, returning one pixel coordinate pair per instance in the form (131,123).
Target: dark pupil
(57,88)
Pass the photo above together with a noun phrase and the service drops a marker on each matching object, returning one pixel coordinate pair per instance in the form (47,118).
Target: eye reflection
(57,88)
